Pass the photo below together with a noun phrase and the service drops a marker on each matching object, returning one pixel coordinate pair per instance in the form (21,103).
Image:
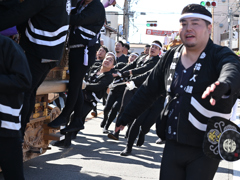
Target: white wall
(220,17)
(113,19)
(109,42)
(136,50)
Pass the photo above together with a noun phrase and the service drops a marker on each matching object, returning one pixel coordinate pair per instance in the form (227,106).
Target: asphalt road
(94,156)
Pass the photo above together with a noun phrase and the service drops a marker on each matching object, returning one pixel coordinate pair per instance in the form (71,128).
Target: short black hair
(158,42)
(120,43)
(196,8)
(126,45)
(147,46)
(105,48)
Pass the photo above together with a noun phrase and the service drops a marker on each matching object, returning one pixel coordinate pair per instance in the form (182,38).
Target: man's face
(108,62)
(146,50)
(194,32)
(118,48)
(87,1)
(101,53)
(131,58)
(154,50)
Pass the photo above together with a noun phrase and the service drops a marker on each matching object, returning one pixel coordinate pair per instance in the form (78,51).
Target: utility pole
(230,25)
(126,19)
(212,33)
(230,28)
(238,6)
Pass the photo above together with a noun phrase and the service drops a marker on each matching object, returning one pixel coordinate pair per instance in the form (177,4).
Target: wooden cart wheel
(34,143)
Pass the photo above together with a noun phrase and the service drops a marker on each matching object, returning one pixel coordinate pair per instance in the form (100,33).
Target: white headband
(197,15)
(111,54)
(155,44)
(134,54)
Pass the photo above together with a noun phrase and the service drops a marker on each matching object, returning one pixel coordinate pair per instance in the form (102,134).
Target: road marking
(236,170)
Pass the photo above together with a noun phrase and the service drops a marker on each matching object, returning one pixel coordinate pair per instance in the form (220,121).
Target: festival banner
(159,32)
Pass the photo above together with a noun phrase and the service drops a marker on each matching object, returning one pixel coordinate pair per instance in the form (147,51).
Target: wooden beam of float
(52,87)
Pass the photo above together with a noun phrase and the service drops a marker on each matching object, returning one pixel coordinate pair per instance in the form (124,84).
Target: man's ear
(210,28)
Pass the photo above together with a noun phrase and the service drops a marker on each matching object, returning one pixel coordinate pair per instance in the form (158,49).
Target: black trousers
(39,72)
(77,71)
(113,104)
(11,158)
(184,162)
(145,121)
(86,108)
(127,96)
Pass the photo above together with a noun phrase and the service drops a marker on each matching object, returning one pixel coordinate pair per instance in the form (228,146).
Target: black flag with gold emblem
(222,139)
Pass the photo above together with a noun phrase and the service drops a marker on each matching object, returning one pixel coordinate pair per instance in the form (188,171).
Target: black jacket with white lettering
(44,26)
(86,25)
(218,64)
(15,78)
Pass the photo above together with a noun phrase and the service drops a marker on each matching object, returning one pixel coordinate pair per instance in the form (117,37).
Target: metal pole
(126,19)
(238,33)
(230,25)
(212,33)
(118,34)
(230,28)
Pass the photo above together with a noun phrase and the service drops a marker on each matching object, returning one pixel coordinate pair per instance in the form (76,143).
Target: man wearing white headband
(132,57)
(200,79)
(139,66)
(94,87)
(142,63)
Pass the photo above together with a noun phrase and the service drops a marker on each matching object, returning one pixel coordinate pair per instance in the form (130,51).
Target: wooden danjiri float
(37,134)
(175,42)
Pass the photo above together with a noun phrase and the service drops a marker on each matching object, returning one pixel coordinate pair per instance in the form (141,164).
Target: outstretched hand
(216,91)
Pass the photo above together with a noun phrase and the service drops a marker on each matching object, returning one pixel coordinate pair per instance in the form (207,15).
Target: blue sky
(166,12)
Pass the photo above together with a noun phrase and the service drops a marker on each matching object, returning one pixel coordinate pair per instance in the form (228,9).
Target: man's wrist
(130,72)
(119,74)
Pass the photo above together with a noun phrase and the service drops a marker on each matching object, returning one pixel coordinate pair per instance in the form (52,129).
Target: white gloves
(111,86)
(130,85)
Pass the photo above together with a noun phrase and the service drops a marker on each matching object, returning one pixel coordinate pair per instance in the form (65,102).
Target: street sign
(159,32)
